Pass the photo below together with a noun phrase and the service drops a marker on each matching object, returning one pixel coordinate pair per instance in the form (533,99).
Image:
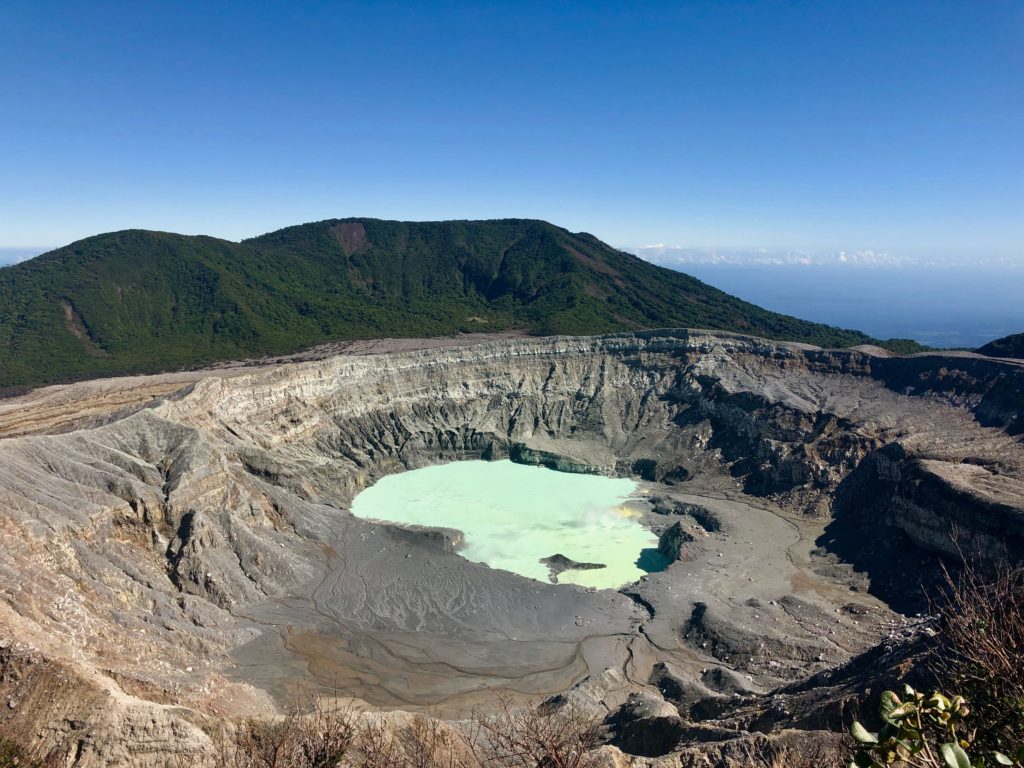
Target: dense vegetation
(1008,346)
(136,301)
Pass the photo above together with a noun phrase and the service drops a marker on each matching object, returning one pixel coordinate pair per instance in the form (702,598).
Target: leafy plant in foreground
(929,732)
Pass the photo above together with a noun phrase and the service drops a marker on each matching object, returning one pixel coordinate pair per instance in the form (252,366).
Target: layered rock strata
(185,540)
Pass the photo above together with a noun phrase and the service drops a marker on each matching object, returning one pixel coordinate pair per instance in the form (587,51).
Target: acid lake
(514,516)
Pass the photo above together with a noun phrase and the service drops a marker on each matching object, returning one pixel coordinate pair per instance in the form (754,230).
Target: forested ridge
(141,301)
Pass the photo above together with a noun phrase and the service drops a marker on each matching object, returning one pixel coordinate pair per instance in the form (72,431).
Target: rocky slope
(185,540)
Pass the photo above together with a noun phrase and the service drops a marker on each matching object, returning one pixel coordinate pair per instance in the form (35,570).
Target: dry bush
(981,651)
(420,742)
(335,738)
(512,738)
(326,736)
(532,738)
(317,740)
(376,746)
(339,738)
(826,752)
(428,743)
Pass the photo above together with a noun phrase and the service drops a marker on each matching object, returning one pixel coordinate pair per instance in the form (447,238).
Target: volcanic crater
(179,547)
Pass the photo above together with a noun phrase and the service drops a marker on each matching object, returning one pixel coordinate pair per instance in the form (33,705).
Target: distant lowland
(139,301)
(939,305)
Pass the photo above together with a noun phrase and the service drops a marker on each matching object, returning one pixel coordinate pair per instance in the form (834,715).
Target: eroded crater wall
(163,527)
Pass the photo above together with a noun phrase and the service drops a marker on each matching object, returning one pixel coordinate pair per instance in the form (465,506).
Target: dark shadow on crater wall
(900,573)
(651,561)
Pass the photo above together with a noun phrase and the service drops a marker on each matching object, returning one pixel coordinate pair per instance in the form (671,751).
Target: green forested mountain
(137,301)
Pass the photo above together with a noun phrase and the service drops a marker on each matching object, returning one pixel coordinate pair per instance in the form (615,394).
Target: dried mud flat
(179,546)
(399,622)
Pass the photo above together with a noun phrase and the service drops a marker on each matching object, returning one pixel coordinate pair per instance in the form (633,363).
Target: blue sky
(861,127)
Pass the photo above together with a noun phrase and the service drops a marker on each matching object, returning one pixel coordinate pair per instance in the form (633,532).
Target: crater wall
(170,525)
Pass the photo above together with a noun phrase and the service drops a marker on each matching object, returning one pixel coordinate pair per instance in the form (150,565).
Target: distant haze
(679,257)
(14,255)
(941,302)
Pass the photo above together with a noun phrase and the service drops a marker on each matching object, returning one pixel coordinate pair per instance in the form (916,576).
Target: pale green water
(514,515)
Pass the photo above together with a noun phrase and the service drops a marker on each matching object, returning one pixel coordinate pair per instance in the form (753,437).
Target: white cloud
(14,255)
(674,255)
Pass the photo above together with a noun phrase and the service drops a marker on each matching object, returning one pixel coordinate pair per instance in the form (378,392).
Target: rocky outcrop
(559,563)
(523,454)
(88,720)
(646,726)
(672,541)
(680,542)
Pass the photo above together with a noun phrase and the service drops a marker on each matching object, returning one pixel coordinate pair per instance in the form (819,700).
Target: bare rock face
(673,543)
(187,536)
(92,718)
(647,726)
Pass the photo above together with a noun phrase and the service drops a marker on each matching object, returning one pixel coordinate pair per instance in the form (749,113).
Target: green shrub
(930,732)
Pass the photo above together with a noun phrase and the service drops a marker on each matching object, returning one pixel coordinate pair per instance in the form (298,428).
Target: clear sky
(893,127)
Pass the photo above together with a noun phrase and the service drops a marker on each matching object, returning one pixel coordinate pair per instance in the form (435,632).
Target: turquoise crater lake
(513,516)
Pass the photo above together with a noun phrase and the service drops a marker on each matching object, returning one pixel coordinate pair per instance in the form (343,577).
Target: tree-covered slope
(1008,346)
(137,301)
